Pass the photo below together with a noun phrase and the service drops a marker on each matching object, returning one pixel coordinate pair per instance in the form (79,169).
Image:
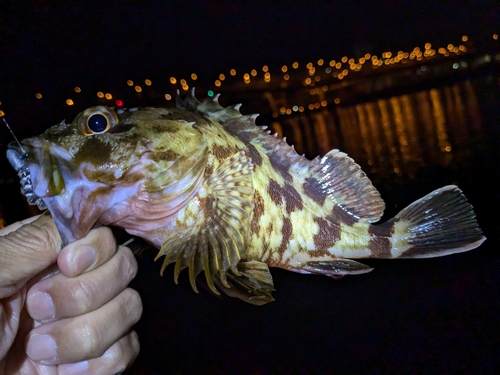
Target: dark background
(423,316)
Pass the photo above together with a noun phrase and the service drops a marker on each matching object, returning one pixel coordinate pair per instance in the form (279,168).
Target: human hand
(71,318)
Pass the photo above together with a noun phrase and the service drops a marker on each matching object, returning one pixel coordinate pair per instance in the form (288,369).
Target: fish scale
(219,195)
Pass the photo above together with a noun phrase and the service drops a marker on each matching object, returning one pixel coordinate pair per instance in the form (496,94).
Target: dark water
(437,315)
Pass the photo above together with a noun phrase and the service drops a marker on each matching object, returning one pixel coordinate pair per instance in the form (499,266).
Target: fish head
(94,170)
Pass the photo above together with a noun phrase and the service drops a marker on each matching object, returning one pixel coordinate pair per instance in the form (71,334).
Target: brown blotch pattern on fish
(293,200)
(380,243)
(279,167)
(223,152)
(328,234)
(93,151)
(254,154)
(312,189)
(287,234)
(121,128)
(258,211)
(164,155)
(342,216)
(275,192)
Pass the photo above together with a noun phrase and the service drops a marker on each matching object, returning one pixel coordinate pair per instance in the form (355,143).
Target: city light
(319,81)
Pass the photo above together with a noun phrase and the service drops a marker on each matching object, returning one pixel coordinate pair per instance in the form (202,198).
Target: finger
(26,251)
(87,336)
(87,253)
(61,297)
(12,227)
(114,360)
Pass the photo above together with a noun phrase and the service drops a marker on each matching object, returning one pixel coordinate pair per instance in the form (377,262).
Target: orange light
(217,83)
(168,96)
(233,72)
(284,68)
(130,82)
(69,102)
(321,62)
(265,68)
(222,77)
(148,82)
(173,81)
(194,77)
(108,96)
(465,38)
(295,65)
(101,94)
(337,100)
(253,72)
(183,82)
(138,88)
(38,95)
(77,89)
(2,113)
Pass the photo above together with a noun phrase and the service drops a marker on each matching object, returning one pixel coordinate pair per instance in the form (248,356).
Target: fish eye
(97,123)
(97,120)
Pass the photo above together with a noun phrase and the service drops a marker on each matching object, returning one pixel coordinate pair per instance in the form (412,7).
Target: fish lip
(17,157)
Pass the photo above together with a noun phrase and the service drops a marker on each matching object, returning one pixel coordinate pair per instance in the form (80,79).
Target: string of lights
(317,75)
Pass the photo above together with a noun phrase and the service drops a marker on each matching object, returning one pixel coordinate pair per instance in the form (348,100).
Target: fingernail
(85,256)
(41,348)
(78,368)
(41,306)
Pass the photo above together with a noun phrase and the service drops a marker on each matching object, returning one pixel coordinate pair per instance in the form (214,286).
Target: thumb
(26,248)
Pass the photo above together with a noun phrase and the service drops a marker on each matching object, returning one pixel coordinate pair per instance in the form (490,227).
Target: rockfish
(217,193)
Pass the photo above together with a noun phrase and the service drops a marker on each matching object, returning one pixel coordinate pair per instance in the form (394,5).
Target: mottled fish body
(218,194)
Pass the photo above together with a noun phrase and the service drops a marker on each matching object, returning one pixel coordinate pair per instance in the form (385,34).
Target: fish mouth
(46,181)
(18,160)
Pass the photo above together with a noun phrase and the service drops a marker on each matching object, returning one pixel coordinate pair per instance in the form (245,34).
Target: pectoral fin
(254,284)
(217,243)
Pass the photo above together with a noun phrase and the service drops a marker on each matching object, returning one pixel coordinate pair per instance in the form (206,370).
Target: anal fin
(335,268)
(254,284)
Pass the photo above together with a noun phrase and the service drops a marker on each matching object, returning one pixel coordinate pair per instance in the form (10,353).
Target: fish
(217,194)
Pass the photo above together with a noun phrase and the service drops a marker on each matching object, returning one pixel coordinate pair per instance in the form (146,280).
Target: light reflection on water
(395,136)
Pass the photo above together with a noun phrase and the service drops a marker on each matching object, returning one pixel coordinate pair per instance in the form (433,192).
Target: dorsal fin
(339,177)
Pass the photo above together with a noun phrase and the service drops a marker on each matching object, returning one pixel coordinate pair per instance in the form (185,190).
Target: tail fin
(441,223)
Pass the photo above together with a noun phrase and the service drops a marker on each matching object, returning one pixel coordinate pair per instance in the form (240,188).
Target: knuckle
(82,294)
(128,268)
(133,304)
(89,337)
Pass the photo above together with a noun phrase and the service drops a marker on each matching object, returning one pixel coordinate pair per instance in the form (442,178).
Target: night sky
(51,47)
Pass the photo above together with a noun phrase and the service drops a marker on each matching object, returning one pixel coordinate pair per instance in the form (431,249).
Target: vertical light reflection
(442,135)
(472,107)
(400,130)
(428,130)
(389,136)
(298,141)
(307,128)
(321,131)
(374,126)
(409,117)
(277,128)
(365,136)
